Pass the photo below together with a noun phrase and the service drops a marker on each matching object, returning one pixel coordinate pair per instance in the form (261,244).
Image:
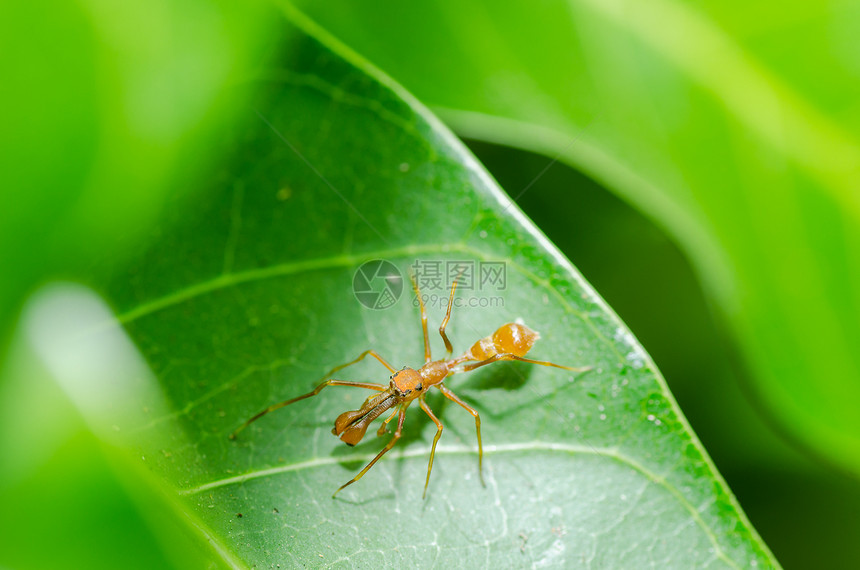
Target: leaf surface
(244,298)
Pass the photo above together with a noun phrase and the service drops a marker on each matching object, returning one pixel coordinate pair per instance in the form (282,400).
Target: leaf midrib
(225,280)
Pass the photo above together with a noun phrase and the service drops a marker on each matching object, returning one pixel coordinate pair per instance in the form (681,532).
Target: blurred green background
(804,509)
(709,193)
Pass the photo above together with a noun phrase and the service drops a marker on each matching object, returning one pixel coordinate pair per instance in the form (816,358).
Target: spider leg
(317,390)
(448,347)
(507,356)
(384,427)
(427,357)
(361,357)
(436,421)
(452,396)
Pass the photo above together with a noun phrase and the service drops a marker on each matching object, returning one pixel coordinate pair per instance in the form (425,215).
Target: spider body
(511,341)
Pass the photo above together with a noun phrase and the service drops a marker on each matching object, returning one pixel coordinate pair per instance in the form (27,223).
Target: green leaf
(244,297)
(736,129)
(104,96)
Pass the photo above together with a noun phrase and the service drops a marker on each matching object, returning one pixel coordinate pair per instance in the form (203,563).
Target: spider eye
(419,387)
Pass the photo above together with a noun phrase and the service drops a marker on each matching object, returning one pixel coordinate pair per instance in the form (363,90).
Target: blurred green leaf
(243,297)
(734,126)
(54,481)
(107,109)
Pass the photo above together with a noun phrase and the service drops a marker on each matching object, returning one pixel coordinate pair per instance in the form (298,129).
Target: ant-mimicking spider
(511,341)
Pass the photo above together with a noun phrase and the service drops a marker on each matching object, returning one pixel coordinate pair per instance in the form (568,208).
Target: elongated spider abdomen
(512,338)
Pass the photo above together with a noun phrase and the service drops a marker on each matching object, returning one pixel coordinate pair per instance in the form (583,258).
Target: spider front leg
(427,357)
